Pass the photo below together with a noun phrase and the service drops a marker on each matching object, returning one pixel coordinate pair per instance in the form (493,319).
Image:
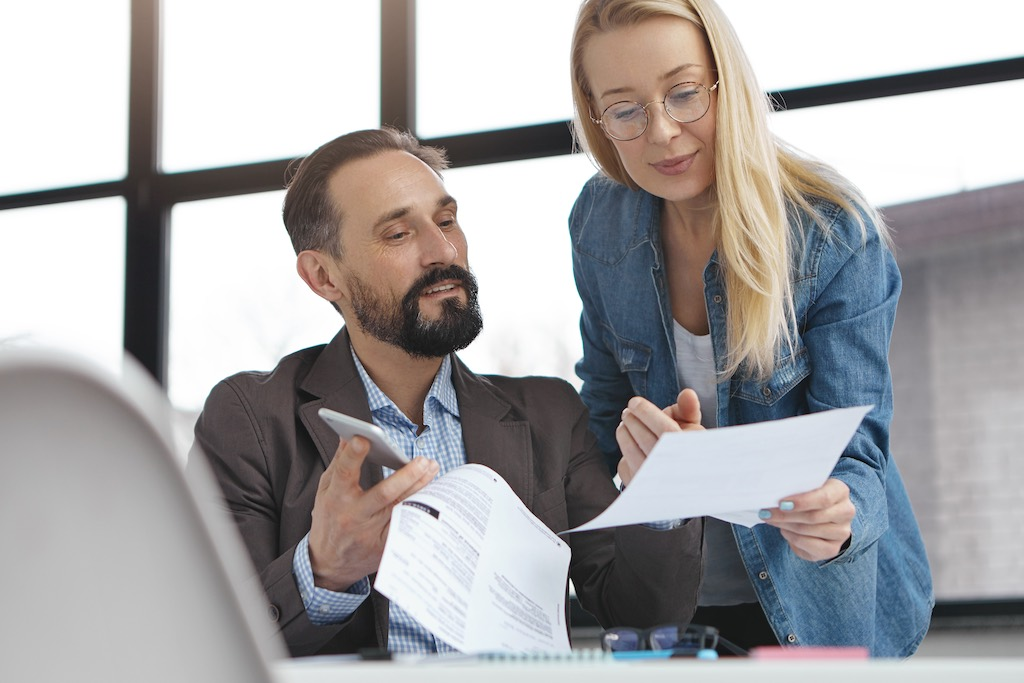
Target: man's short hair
(311,217)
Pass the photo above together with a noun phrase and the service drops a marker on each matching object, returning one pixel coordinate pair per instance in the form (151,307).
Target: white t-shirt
(725,579)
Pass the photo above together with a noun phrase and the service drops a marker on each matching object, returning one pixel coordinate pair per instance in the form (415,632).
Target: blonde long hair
(760,176)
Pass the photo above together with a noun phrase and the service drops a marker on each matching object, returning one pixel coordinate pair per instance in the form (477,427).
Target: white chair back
(112,568)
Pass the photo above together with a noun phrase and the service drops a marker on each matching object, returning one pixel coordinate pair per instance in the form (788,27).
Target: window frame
(149,193)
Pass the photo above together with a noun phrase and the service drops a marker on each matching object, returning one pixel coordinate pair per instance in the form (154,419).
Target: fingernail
(786,505)
(765,514)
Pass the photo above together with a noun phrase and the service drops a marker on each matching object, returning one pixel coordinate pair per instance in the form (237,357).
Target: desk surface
(932,670)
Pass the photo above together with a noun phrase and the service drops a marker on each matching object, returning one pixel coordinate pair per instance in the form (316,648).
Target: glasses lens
(669,637)
(683,636)
(624,120)
(687,102)
(620,640)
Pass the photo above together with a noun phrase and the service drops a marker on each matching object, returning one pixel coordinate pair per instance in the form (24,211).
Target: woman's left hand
(816,524)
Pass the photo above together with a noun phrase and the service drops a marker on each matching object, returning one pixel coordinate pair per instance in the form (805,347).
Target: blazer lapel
(492,434)
(334,383)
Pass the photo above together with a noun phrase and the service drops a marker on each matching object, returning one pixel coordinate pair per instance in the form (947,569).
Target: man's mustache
(433,277)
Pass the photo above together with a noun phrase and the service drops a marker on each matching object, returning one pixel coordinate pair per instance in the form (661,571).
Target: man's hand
(350,525)
(816,524)
(642,424)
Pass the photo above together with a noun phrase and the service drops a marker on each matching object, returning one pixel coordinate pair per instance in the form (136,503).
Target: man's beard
(400,324)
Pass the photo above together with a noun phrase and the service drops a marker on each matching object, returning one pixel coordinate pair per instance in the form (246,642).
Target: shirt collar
(442,390)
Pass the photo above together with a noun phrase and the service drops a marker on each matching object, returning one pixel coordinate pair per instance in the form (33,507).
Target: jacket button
(717,298)
(767,392)
(273,612)
(791,638)
(763,575)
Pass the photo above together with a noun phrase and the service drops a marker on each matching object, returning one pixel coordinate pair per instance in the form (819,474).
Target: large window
(143,161)
(909,147)
(247,80)
(236,301)
(65,93)
(799,43)
(476,72)
(62,278)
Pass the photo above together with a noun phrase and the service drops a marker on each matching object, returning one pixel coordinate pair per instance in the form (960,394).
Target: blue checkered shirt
(441,440)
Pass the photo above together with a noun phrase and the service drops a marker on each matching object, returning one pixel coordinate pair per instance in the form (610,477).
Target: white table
(930,670)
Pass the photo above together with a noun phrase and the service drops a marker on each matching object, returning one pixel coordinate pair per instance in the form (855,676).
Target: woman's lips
(675,165)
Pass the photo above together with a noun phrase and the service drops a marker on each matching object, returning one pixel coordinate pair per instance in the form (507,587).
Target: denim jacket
(877,593)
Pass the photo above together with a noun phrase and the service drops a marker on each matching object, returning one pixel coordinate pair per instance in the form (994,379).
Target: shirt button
(763,575)
(273,612)
(791,638)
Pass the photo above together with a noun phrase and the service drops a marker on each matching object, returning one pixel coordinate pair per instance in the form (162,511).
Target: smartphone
(382,451)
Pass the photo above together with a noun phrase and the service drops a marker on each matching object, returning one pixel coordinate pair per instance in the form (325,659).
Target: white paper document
(475,567)
(733,472)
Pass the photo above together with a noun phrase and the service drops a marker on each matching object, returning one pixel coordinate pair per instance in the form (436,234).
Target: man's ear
(320,272)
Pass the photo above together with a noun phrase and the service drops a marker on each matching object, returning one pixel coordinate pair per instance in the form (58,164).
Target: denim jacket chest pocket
(792,370)
(794,365)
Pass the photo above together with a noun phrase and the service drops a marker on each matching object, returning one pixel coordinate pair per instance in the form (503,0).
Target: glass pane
(249,313)
(899,149)
(236,301)
(62,274)
(481,68)
(247,81)
(65,93)
(516,220)
(795,43)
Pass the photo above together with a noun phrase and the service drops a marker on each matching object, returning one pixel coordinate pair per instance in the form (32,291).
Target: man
(378,237)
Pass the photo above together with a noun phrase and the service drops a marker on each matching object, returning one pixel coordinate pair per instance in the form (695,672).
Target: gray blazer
(267,448)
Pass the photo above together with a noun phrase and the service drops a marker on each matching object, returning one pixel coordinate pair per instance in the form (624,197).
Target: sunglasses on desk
(679,639)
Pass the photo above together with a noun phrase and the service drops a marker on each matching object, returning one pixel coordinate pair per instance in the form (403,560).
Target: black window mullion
(902,84)
(398,64)
(147,219)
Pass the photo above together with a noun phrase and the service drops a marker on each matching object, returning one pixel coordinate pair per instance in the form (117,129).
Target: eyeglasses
(680,638)
(684,102)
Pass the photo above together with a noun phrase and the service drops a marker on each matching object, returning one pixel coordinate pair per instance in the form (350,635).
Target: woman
(710,255)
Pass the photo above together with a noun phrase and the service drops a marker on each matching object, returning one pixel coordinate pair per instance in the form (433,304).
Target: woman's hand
(816,524)
(643,423)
